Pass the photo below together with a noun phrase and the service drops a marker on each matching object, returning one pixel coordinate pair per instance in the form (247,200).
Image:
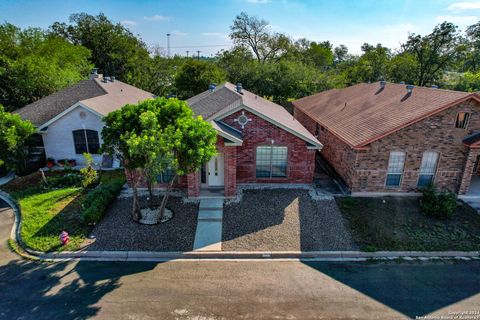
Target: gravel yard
(284,220)
(117,231)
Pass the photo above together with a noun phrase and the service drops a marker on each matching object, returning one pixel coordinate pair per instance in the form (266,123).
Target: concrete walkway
(208,236)
(7,178)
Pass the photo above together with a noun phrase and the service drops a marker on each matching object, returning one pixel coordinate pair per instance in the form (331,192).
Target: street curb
(257,255)
(220,255)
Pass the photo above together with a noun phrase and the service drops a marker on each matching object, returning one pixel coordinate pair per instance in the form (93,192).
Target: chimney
(239,88)
(112,78)
(94,74)
(409,88)
(382,84)
(212,87)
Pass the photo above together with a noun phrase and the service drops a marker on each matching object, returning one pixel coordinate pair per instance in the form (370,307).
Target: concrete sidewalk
(208,235)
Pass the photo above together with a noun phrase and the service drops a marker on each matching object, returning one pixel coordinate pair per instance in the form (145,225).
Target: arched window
(396,163)
(86,141)
(428,168)
(462,120)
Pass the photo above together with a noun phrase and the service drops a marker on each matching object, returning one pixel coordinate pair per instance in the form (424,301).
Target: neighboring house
(258,142)
(385,137)
(70,121)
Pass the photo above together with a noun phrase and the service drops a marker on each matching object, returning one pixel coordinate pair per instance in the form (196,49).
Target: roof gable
(101,97)
(41,111)
(363,113)
(225,100)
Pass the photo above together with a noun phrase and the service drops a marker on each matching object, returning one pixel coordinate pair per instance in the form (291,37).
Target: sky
(205,24)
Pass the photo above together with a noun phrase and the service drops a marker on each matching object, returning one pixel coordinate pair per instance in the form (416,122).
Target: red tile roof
(363,113)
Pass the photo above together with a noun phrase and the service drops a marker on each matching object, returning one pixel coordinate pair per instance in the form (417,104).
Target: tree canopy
(14,135)
(34,64)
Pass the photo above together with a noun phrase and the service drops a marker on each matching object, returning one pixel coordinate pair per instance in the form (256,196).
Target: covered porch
(218,177)
(470,183)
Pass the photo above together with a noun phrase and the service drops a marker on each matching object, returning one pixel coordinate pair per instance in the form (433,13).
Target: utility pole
(168,45)
(187,53)
(198,54)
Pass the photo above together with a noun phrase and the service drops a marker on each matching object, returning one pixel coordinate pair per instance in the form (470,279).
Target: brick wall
(436,133)
(301,161)
(339,154)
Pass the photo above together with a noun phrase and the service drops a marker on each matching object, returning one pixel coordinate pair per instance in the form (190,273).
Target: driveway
(233,290)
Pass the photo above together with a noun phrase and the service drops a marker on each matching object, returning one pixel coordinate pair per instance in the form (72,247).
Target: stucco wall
(58,140)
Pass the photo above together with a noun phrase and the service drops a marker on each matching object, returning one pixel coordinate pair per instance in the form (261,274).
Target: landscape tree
(157,135)
(195,76)
(14,135)
(34,64)
(115,50)
(255,34)
(433,52)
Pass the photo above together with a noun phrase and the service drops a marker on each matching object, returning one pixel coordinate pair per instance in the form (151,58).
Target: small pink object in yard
(64,238)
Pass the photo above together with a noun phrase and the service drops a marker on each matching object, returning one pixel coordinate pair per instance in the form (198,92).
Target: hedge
(98,200)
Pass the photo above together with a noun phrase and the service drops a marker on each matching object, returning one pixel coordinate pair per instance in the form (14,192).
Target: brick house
(391,138)
(258,142)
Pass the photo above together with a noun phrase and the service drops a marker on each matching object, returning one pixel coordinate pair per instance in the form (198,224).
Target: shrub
(438,204)
(98,200)
(90,175)
(64,181)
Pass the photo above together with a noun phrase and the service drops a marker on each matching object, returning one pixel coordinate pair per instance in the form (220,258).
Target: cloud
(157,17)
(178,33)
(459,6)
(460,20)
(128,22)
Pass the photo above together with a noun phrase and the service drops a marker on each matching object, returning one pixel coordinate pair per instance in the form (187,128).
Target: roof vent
(382,84)
(212,87)
(434,86)
(239,88)
(402,82)
(106,79)
(409,88)
(112,78)
(94,74)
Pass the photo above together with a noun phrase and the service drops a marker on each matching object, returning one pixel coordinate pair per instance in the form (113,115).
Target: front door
(215,169)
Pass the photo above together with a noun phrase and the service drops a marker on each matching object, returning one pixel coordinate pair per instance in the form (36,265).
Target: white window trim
(394,173)
(434,174)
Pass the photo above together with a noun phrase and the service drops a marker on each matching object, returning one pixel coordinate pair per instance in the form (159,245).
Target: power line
(202,46)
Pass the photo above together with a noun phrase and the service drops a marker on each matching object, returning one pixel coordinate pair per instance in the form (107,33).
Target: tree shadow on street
(65,290)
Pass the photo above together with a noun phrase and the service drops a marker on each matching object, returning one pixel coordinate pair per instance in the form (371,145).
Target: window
(271,162)
(395,168)
(427,170)
(166,176)
(86,141)
(462,120)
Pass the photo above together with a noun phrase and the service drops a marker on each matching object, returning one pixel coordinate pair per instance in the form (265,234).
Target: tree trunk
(150,195)
(165,197)
(135,208)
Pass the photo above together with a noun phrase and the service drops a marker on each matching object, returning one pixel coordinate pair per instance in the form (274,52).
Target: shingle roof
(364,112)
(47,108)
(94,93)
(217,104)
(208,103)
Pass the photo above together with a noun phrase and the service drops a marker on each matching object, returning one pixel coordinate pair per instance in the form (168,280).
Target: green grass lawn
(396,223)
(46,213)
